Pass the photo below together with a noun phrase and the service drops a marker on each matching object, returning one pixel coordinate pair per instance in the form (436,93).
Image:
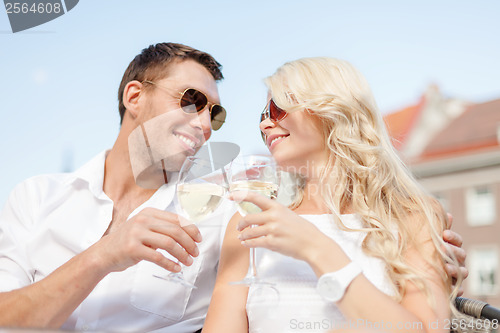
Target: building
(453,147)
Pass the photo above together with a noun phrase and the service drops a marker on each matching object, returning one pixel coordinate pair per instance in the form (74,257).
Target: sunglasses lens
(263,116)
(218,116)
(275,113)
(193,97)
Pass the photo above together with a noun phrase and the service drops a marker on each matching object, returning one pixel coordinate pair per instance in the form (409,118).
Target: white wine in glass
(201,187)
(266,189)
(198,200)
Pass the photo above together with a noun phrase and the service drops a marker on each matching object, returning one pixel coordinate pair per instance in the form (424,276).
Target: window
(480,203)
(483,267)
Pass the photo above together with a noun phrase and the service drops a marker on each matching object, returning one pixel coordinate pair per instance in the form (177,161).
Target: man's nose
(203,122)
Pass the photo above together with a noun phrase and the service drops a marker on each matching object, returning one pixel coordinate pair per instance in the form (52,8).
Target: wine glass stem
(253,261)
(253,265)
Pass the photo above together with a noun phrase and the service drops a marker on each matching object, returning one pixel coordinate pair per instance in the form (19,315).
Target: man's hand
(454,247)
(138,239)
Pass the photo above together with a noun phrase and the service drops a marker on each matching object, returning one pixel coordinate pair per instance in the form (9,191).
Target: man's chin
(153,177)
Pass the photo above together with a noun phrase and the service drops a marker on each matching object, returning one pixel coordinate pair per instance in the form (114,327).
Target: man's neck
(119,182)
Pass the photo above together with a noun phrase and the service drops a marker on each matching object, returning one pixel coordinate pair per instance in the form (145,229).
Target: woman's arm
(227,310)
(414,313)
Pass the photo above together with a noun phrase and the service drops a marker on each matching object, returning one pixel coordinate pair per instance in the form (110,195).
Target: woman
(362,225)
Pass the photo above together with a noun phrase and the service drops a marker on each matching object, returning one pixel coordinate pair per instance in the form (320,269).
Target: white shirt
(51,218)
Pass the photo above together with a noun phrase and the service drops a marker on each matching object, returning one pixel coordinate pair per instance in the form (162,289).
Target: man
(78,250)
(81,251)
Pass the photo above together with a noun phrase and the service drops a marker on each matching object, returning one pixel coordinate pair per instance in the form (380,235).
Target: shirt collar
(162,199)
(91,173)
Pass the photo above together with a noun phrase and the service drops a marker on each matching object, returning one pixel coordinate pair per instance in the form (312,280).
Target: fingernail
(240,237)
(189,261)
(196,251)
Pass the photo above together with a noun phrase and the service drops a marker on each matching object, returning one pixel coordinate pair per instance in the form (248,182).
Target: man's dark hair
(152,64)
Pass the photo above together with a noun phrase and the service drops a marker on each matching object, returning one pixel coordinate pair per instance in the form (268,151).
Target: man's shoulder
(53,182)
(61,177)
(28,197)
(41,184)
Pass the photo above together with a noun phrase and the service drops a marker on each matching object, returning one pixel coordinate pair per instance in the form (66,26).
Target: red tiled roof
(475,129)
(400,123)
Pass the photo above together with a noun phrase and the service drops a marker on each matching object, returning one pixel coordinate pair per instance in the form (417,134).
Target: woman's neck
(314,202)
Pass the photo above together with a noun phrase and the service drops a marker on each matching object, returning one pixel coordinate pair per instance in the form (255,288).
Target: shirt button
(85,328)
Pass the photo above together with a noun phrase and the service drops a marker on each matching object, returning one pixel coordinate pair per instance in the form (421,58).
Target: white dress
(299,308)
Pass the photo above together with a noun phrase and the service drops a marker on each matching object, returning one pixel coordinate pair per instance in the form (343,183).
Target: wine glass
(256,173)
(201,187)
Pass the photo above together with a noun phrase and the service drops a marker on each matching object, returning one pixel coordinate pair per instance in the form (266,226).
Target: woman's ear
(131,96)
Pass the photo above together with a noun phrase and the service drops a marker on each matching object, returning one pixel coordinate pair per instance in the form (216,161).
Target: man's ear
(131,96)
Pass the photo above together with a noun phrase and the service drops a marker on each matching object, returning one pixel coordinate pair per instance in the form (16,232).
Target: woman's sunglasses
(274,113)
(190,97)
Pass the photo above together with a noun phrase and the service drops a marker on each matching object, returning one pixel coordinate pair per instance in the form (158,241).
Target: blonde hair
(363,170)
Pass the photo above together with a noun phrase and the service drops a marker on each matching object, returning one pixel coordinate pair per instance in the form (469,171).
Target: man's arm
(49,302)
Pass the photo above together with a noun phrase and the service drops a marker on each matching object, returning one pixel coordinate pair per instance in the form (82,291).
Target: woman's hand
(278,228)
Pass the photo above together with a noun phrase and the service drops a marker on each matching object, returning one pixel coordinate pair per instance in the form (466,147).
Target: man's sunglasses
(274,113)
(190,97)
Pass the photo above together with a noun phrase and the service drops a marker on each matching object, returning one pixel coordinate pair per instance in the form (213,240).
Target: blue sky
(59,80)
